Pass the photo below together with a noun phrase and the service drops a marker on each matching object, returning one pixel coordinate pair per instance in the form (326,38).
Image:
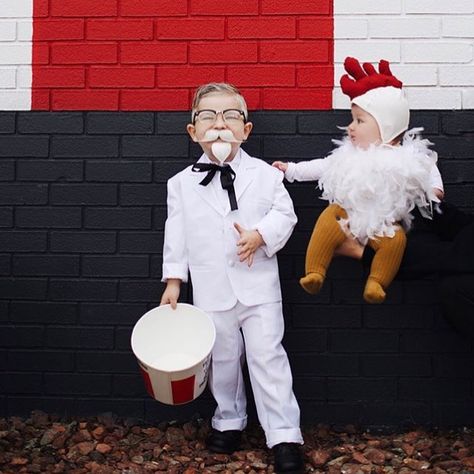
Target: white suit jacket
(200,237)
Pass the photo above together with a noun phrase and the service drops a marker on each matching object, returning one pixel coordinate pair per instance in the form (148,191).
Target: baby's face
(363,130)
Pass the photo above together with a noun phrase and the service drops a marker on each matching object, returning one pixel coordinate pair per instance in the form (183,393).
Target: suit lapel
(243,178)
(206,193)
(244,175)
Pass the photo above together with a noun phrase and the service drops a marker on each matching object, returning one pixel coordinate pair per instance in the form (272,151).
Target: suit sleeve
(175,258)
(278,224)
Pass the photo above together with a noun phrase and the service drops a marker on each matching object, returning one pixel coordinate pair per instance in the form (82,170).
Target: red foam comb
(365,78)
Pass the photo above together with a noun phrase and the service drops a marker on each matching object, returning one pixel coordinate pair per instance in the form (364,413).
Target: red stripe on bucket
(147,381)
(183,390)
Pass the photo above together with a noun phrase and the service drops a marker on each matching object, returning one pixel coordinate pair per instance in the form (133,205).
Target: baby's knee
(400,239)
(336,211)
(331,216)
(397,241)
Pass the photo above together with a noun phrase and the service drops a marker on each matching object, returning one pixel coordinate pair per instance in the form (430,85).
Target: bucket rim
(188,367)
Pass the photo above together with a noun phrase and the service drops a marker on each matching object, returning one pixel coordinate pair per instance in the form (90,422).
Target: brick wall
(429,42)
(82,209)
(16,28)
(285,55)
(82,194)
(137,55)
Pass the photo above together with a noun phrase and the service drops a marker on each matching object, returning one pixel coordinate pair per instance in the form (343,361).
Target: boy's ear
(191,131)
(247,129)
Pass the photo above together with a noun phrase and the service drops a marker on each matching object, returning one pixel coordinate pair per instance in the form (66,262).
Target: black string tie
(227,179)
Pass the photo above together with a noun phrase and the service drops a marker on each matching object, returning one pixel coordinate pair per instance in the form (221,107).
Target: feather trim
(380,186)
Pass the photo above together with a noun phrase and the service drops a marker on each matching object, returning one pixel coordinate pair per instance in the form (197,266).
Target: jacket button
(231,263)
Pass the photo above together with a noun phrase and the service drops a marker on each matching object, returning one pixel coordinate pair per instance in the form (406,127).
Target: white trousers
(270,374)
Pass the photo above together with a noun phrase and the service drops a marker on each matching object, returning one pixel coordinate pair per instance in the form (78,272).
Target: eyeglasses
(230,116)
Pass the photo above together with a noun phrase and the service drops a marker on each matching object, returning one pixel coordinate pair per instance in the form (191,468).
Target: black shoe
(288,458)
(225,442)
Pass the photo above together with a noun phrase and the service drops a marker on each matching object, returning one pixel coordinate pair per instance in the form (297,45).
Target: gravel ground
(108,445)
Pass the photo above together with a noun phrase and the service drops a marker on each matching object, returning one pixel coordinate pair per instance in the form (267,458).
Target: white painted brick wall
(429,43)
(368,7)
(369,50)
(405,27)
(346,28)
(420,75)
(15,54)
(456,75)
(24,30)
(437,52)
(431,98)
(449,7)
(16,8)
(7,30)
(23,77)
(458,26)
(468,98)
(7,78)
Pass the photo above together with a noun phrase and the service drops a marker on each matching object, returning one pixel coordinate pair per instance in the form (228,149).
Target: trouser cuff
(229,424)
(289,435)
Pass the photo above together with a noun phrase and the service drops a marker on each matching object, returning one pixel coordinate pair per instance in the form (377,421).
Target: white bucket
(173,348)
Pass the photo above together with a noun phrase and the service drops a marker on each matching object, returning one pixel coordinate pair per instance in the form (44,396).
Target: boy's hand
(171,293)
(280,165)
(249,242)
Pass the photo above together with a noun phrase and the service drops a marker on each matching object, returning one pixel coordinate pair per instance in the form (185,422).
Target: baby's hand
(280,165)
(438,193)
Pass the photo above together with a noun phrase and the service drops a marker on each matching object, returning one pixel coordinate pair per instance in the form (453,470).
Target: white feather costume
(378,187)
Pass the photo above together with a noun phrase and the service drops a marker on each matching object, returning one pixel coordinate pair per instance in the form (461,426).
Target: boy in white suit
(228,215)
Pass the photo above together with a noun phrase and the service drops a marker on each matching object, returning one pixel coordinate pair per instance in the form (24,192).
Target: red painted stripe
(150,55)
(183,390)
(146,379)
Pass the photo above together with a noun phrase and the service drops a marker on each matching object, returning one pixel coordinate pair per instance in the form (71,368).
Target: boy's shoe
(288,458)
(224,442)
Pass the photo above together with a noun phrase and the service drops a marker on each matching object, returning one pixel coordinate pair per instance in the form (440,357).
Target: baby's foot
(312,282)
(373,292)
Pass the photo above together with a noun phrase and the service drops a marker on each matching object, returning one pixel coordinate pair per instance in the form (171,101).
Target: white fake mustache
(225,135)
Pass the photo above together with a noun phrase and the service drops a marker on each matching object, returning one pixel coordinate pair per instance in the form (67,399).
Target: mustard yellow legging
(327,236)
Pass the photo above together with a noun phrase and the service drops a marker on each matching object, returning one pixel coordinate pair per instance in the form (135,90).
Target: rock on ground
(107,445)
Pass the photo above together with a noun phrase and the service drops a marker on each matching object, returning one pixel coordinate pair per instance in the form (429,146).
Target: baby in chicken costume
(373,180)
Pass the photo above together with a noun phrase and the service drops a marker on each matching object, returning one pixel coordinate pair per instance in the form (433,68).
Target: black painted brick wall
(82,209)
